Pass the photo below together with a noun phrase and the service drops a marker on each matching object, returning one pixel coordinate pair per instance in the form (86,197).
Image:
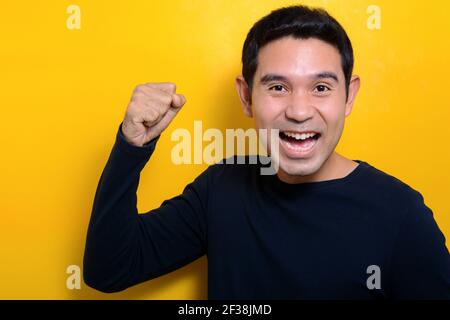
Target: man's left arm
(420,261)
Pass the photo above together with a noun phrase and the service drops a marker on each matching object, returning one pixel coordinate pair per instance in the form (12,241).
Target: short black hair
(301,22)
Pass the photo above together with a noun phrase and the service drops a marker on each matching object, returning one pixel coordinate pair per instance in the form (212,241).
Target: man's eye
(322,88)
(277,87)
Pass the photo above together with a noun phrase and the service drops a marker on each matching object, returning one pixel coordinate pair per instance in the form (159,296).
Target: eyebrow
(276,77)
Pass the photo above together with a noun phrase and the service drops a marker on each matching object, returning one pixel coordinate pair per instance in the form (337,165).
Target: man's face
(299,88)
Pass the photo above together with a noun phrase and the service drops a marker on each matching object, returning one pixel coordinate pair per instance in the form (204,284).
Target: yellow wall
(64,92)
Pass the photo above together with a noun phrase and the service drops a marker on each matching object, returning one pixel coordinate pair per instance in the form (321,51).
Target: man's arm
(123,247)
(421,261)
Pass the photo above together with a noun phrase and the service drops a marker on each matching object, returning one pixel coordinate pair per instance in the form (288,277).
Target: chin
(300,167)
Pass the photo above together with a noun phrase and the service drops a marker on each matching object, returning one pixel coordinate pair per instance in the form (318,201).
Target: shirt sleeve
(421,261)
(123,247)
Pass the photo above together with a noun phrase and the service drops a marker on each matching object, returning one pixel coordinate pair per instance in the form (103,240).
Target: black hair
(301,22)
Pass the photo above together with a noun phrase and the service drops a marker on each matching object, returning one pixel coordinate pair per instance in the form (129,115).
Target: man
(323,227)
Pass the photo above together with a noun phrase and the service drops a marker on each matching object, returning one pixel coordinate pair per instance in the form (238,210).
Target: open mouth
(299,143)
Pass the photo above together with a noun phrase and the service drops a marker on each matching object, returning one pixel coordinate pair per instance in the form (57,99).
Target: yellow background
(64,92)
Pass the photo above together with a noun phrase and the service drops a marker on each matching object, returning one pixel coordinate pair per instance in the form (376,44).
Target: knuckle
(139,88)
(166,98)
(151,106)
(172,86)
(132,105)
(152,115)
(140,95)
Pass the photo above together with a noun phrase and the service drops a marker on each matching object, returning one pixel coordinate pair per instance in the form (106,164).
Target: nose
(299,108)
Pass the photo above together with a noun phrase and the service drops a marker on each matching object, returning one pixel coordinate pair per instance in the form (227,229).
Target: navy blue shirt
(267,239)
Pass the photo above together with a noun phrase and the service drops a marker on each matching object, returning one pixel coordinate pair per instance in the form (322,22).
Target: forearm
(112,229)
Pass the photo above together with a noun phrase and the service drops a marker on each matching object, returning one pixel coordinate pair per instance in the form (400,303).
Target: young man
(323,227)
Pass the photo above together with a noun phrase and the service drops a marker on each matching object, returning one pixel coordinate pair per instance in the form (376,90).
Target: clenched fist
(152,107)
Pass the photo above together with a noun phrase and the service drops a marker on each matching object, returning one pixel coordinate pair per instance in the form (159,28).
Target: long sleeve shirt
(364,236)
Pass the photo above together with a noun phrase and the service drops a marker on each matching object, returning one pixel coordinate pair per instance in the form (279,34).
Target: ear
(352,91)
(244,94)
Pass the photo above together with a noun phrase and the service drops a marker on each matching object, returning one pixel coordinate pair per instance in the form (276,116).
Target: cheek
(266,111)
(334,123)
(334,116)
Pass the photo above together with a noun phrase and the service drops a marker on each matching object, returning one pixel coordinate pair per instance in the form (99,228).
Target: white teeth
(300,136)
